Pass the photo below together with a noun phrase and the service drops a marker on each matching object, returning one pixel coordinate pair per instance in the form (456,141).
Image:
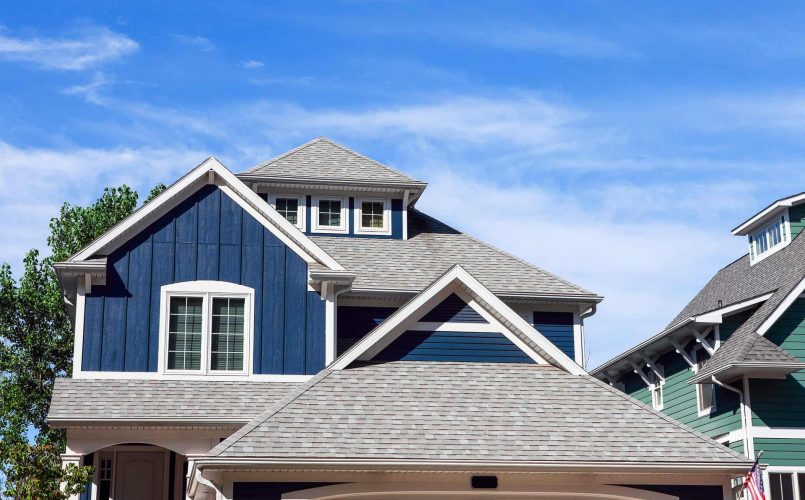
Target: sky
(612,143)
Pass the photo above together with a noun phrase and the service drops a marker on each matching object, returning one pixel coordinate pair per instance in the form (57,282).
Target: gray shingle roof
(323,160)
(433,248)
(162,400)
(467,411)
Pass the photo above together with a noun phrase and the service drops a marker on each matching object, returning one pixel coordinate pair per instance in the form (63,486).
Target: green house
(729,363)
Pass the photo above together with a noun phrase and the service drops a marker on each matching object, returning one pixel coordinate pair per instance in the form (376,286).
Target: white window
(330,215)
(786,485)
(771,238)
(373,216)
(705,393)
(205,328)
(290,206)
(656,395)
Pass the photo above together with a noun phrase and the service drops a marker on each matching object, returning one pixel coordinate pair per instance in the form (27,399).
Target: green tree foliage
(36,347)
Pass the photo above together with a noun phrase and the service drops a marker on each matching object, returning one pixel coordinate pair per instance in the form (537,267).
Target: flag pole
(743,486)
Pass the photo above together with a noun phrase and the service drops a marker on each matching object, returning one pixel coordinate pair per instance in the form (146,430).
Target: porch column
(67,459)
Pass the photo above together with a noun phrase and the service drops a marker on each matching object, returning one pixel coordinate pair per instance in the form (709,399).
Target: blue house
(301,330)
(729,363)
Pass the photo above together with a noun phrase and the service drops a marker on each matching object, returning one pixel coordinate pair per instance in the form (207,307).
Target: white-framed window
(372,216)
(770,239)
(290,206)
(205,328)
(656,395)
(785,485)
(330,214)
(705,393)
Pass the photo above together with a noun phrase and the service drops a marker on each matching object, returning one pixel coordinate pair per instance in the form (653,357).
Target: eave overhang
(734,371)
(766,214)
(166,421)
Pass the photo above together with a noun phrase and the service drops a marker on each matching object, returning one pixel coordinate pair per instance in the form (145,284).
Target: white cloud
(90,47)
(195,41)
(251,64)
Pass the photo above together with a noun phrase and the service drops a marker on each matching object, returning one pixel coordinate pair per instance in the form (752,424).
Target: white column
(330,312)
(67,459)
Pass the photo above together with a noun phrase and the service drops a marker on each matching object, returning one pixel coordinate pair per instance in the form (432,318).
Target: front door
(139,475)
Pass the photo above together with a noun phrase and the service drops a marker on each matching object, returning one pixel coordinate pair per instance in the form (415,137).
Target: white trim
(700,410)
(785,239)
(207,290)
(253,377)
(301,210)
(435,326)
(767,212)
(245,197)
(747,415)
(78,328)
(778,433)
(657,388)
(578,338)
(792,296)
(717,315)
(330,323)
(314,215)
(386,229)
(430,297)
(406,195)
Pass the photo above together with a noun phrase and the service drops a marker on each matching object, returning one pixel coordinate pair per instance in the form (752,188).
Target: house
(301,330)
(728,364)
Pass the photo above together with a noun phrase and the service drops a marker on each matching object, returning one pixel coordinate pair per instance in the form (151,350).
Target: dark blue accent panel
(396,219)
(295,301)
(93,329)
(308,212)
(274,280)
(355,322)
(453,346)
(113,343)
(453,309)
(207,236)
(558,328)
(314,340)
(138,308)
(351,216)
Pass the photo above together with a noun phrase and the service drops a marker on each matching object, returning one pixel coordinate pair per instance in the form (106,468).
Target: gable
(453,309)
(487,347)
(208,236)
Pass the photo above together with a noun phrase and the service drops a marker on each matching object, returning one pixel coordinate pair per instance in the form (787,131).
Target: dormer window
(290,206)
(770,239)
(329,215)
(205,328)
(373,216)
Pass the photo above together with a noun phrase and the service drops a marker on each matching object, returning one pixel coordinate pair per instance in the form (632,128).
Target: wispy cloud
(563,43)
(195,41)
(89,48)
(251,64)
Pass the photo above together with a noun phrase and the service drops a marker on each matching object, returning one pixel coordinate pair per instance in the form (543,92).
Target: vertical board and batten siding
(488,347)
(796,219)
(558,328)
(679,396)
(207,237)
(781,403)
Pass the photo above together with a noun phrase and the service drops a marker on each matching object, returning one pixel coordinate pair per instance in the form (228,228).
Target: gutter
(793,367)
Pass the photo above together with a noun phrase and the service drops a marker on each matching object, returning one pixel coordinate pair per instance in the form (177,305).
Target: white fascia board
(246,198)
(789,299)
(383,334)
(758,219)
(717,316)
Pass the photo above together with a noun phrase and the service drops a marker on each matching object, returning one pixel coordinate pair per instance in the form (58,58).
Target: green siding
(737,446)
(796,216)
(781,403)
(787,452)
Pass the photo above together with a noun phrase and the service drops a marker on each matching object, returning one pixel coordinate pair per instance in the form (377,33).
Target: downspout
(586,314)
(750,453)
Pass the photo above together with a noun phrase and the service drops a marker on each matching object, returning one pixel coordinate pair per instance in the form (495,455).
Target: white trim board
(789,299)
(488,305)
(744,228)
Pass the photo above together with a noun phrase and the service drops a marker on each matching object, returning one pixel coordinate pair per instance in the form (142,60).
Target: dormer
(774,227)
(326,189)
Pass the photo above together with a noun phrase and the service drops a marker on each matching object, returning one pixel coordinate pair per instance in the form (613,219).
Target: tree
(36,347)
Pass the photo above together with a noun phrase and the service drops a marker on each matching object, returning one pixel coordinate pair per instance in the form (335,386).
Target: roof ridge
(268,413)
(644,406)
(351,151)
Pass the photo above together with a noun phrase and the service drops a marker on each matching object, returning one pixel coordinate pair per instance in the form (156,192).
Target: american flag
(753,484)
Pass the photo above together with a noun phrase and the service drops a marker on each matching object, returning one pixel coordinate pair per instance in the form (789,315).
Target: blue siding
(396,220)
(355,322)
(210,237)
(453,309)
(453,346)
(558,328)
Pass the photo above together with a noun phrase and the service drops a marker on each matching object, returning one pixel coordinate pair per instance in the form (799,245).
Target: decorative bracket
(682,352)
(639,371)
(700,338)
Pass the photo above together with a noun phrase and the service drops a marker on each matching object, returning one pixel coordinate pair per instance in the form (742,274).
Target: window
(330,215)
(105,477)
(786,485)
(656,395)
(705,393)
(288,208)
(205,328)
(373,217)
(769,239)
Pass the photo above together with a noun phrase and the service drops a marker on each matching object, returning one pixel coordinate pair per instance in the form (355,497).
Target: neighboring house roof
(431,249)
(468,412)
(322,160)
(161,401)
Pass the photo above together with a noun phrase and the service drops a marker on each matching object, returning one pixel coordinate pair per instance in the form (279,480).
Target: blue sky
(612,143)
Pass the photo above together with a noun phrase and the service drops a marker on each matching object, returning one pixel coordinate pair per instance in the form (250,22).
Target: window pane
(226,341)
(184,333)
(781,486)
(330,213)
(372,214)
(289,208)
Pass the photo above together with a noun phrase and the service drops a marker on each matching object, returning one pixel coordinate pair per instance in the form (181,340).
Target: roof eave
(783,203)
(732,371)
(308,181)
(502,295)
(167,421)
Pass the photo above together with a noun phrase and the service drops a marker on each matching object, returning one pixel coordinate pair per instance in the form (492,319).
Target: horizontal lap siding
(453,309)
(796,217)
(781,403)
(207,237)
(786,452)
(453,346)
(558,328)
